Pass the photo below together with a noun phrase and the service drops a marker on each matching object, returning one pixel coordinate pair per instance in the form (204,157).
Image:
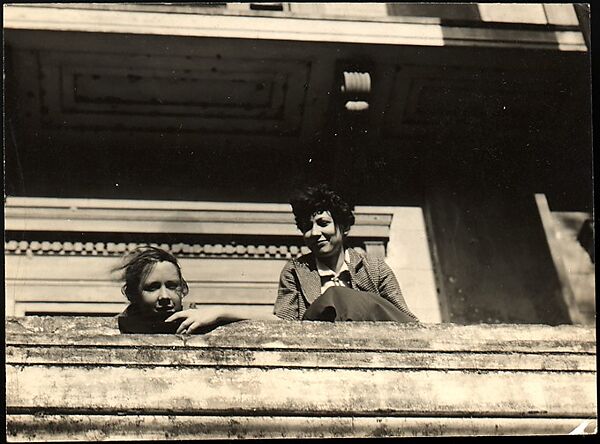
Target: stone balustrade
(78,378)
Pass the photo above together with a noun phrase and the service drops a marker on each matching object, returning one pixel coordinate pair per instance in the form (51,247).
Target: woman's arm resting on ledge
(200,317)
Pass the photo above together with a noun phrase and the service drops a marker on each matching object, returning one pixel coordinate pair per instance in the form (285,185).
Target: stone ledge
(77,378)
(376,336)
(100,427)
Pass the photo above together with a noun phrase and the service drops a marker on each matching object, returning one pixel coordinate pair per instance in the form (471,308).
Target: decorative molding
(180,249)
(120,91)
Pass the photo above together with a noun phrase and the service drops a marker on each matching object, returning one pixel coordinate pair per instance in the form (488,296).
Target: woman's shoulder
(301,261)
(131,310)
(358,256)
(306,260)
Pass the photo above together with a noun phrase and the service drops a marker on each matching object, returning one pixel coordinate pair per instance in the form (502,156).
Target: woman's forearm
(241,314)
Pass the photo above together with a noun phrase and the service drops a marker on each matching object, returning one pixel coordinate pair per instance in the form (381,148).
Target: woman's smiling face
(161,291)
(323,236)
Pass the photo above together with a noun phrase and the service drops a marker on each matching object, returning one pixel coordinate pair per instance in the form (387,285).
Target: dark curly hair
(137,266)
(316,199)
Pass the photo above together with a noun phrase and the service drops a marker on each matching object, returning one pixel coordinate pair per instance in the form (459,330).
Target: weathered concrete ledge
(78,378)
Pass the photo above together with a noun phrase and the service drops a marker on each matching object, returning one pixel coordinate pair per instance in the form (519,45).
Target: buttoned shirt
(330,278)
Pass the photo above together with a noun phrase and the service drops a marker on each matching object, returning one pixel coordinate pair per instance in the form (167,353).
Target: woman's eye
(152,287)
(172,285)
(323,223)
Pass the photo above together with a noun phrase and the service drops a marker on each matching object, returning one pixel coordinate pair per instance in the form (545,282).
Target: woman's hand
(198,318)
(193,319)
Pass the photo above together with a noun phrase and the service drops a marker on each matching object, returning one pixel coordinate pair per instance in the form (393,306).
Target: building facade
(461,132)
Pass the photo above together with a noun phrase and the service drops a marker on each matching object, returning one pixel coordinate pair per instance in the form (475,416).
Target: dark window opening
(447,12)
(266,6)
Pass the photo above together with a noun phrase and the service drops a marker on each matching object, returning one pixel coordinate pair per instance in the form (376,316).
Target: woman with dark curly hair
(334,282)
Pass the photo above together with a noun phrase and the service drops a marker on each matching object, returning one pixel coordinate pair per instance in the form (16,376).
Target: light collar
(324,270)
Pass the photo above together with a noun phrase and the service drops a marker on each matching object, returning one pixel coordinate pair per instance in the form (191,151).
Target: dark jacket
(133,320)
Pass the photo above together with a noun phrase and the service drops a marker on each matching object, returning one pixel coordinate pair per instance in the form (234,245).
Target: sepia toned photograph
(237,220)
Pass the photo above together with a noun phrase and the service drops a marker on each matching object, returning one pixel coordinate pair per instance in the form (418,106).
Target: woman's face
(323,236)
(161,291)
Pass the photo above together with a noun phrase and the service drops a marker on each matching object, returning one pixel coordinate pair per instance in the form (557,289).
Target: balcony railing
(79,379)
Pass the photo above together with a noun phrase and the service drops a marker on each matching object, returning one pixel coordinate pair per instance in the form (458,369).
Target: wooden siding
(74,275)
